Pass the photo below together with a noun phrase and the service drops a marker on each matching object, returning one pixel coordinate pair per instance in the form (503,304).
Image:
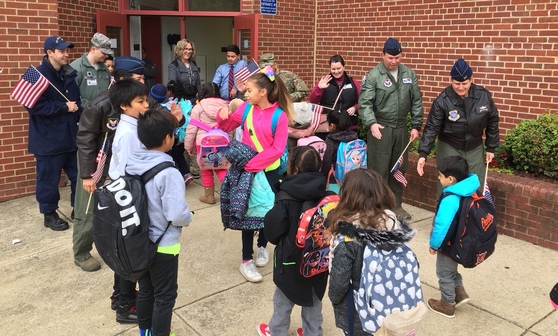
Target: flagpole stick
(486,174)
(51,84)
(91,194)
(400,155)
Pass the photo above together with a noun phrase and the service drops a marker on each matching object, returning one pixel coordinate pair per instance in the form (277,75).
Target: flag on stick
(317,111)
(246,71)
(487,194)
(397,174)
(30,87)
(101,160)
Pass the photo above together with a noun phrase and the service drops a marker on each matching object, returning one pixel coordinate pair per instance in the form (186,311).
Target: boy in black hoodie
(304,182)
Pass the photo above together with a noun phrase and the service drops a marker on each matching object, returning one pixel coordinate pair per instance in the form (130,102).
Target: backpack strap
(148,175)
(200,124)
(247,108)
(275,120)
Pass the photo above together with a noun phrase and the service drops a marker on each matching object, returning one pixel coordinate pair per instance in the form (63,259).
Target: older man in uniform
(296,86)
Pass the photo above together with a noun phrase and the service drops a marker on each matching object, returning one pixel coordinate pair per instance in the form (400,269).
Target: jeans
(448,277)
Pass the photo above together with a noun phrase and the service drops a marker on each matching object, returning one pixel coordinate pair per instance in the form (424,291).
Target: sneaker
(126,314)
(250,272)
(263,330)
(441,307)
(262,257)
(399,211)
(461,296)
(114,301)
(195,175)
(54,222)
(88,265)
(299,332)
(188,178)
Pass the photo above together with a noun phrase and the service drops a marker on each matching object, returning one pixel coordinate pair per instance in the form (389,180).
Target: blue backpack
(350,155)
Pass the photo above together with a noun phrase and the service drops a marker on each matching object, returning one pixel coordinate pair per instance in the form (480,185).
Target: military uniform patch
(454,115)
(112,123)
(388,83)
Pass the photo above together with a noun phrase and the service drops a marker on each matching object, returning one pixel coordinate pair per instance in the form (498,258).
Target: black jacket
(332,144)
(346,264)
(461,122)
(281,224)
(348,98)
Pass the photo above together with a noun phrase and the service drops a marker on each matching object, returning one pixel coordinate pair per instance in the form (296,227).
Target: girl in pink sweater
(264,94)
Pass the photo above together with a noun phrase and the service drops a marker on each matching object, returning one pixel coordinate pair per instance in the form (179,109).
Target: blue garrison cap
(461,71)
(129,63)
(392,47)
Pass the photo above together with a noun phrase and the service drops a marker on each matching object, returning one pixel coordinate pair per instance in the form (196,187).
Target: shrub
(533,146)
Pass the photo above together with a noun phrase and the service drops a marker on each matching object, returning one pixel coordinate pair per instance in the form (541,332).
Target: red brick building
(512,45)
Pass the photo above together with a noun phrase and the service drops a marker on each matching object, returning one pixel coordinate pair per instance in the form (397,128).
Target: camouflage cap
(102,42)
(267,59)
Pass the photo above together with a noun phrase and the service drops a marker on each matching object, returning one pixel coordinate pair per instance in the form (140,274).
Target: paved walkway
(43,293)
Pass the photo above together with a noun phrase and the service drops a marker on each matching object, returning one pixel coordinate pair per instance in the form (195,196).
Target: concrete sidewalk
(43,293)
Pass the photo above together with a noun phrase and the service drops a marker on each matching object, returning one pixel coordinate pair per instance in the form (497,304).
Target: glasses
(188,49)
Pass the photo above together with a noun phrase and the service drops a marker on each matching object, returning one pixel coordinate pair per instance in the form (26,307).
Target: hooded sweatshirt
(346,261)
(281,224)
(448,207)
(165,196)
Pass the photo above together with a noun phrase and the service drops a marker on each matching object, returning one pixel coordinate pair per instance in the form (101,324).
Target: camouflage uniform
(296,86)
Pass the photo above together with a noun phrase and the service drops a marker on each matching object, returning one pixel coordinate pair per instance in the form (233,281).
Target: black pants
(126,290)
(177,153)
(157,294)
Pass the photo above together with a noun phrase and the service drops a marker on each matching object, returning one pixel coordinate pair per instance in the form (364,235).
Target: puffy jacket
(387,102)
(52,129)
(206,112)
(281,224)
(460,122)
(326,97)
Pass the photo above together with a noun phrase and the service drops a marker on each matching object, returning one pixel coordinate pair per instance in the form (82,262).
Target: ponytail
(276,92)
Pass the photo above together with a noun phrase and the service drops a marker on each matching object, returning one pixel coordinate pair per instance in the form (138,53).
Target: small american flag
(486,193)
(101,160)
(246,71)
(316,117)
(397,174)
(30,87)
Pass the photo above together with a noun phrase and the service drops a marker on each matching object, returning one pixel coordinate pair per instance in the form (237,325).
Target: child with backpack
(453,174)
(168,213)
(265,93)
(304,183)
(205,112)
(364,225)
(339,126)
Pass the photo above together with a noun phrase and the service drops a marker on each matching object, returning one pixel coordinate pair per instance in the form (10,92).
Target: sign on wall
(268,7)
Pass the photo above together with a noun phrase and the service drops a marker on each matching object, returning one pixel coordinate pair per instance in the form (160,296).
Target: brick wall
(527,209)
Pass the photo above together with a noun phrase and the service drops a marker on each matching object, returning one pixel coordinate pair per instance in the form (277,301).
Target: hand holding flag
(30,87)
(397,174)
(248,70)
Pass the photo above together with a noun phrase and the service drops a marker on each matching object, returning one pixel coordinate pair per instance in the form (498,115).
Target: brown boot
(442,307)
(209,197)
(461,296)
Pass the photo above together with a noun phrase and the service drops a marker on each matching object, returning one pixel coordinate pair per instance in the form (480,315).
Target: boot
(209,196)
(461,296)
(54,222)
(442,307)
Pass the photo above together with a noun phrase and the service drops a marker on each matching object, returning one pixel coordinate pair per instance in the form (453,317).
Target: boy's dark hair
(455,166)
(125,91)
(234,48)
(121,73)
(340,119)
(190,91)
(170,85)
(305,158)
(109,58)
(154,126)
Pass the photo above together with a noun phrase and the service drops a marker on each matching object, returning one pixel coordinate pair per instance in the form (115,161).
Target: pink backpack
(315,142)
(212,147)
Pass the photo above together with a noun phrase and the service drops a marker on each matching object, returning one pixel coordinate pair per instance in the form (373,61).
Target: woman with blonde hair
(184,67)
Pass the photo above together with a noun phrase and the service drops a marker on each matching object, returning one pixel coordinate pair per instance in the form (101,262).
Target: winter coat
(461,122)
(206,112)
(332,144)
(52,129)
(346,261)
(326,97)
(87,74)
(387,102)
(187,75)
(281,224)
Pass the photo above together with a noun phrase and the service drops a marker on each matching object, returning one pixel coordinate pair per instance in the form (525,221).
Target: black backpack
(472,235)
(121,224)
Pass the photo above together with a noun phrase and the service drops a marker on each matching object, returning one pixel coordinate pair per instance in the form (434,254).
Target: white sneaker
(250,272)
(262,257)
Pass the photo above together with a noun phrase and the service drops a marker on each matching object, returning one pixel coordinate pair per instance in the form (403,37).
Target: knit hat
(392,47)
(56,42)
(159,92)
(461,71)
(102,42)
(129,63)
